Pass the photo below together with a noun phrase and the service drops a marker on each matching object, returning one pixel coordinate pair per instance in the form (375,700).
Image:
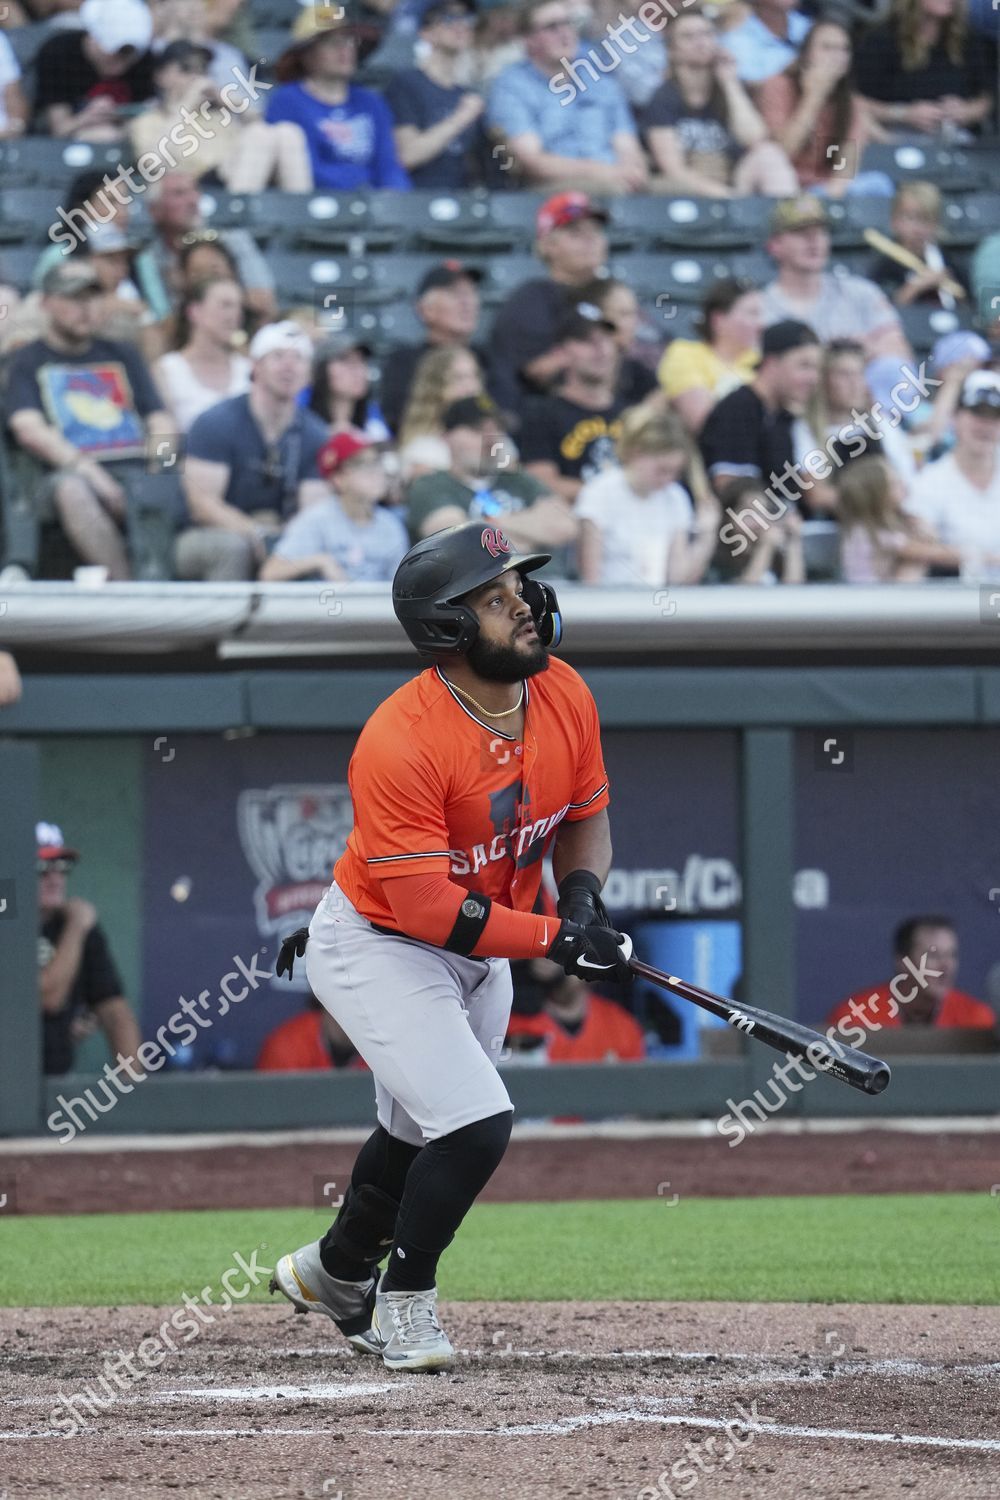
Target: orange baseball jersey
(878,1008)
(437,790)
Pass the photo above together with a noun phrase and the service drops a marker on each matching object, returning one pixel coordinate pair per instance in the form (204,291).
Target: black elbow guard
(473,914)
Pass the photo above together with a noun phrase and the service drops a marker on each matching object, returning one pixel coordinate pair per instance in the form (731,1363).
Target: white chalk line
(562,1428)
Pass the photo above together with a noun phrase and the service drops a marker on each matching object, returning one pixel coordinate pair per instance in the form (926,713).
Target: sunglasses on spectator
(200,237)
(58,866)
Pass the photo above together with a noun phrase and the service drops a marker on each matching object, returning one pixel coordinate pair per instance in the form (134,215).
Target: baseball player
(461,781)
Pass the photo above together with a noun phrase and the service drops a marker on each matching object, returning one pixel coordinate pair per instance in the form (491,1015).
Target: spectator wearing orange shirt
(577,1025)
(923,992)
(308,1041)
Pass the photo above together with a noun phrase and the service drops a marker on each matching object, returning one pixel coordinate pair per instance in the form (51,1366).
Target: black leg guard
(441,1187)
(363,1230)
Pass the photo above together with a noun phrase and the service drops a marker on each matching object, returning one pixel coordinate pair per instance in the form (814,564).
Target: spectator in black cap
(76,972)
(749,434)
(435,116)
(342,387)
(230,148)
(569,436)
(484,481)
(526,358)
(448,306)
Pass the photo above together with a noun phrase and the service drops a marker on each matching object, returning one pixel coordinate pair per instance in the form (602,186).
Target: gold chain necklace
(504,714)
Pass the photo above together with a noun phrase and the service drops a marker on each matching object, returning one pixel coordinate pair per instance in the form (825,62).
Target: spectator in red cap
(448,306)
(347,536)
(435,116)
(526,358)
(76,972)
(588,138)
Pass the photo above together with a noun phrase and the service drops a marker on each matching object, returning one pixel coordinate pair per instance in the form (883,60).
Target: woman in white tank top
(206,368)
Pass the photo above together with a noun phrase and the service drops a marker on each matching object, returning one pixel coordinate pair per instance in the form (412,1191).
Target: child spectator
(441,377)
(879,542)
(703,133)
(619,306)
(638,526)
(843,397)
(814,114)
(348,129)
(768,548)
(695,373)
(435,116)
(916,224)
(920,72)
(206,367)
(232,149)
(348,535)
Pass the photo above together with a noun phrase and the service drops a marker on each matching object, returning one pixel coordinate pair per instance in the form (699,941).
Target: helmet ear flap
(541,599)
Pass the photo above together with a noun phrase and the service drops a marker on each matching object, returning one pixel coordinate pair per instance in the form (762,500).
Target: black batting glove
(293,947)
(580,899)
(594,953)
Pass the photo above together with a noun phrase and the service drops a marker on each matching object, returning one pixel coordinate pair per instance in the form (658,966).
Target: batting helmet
(434,575)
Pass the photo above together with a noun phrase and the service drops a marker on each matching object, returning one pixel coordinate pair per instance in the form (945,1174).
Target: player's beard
(498,663)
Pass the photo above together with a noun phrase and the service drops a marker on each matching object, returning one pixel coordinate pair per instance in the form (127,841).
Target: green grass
(904,1248)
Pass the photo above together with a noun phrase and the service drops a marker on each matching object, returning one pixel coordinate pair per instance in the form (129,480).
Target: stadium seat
(850,217)
(923,326)
(450,223)
(25,42)
(382,327)
(271,43)
(968,219)
(695,222)
(328,281)
(951,167)
(673,320)
(26,214)
(40,159)
(17,264)
(273,13)
(322,219)
(223,210)
(507,272)
(516,213)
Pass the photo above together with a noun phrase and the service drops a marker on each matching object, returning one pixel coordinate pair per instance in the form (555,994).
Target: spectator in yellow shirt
(695,373)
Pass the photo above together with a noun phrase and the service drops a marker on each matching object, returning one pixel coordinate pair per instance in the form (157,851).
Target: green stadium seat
(26,214)
(320,218)
(40,159)
(951,167)
(923,326)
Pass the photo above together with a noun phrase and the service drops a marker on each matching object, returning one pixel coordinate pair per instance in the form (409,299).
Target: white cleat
(411,1337)
(301,1278)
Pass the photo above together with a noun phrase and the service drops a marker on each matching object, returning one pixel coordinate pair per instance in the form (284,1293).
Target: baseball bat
(899,253)
(836,1060)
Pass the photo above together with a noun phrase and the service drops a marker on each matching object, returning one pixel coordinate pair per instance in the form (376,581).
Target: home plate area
(625,1400)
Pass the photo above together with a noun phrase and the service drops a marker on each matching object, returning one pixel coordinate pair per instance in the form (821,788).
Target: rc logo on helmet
(494,541)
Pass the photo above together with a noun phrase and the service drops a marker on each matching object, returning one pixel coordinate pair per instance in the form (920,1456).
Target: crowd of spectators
(299,452)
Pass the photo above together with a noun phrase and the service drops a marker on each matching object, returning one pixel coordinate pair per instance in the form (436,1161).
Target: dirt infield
(628,1401)
(69,1180)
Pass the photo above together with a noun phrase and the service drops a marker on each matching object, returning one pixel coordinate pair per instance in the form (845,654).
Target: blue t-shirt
(368,552)
(417,100)
(524,100)
(262,476)
(350,144)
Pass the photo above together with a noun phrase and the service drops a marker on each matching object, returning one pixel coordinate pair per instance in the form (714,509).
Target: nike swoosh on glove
(293,947)
(580,899)
(592,952)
